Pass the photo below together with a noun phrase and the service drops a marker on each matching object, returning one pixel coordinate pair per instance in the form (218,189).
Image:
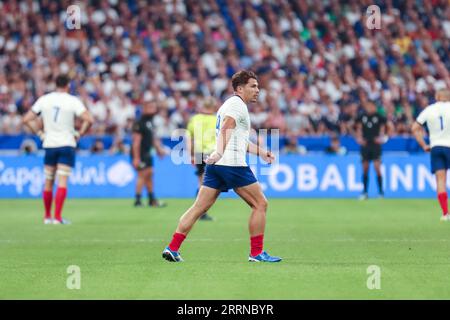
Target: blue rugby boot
(263,257)
(172,256)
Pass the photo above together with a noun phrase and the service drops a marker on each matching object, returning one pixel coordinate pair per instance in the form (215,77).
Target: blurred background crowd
(317,62)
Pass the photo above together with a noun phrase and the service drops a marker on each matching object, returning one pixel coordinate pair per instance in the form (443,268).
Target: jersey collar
(240,98)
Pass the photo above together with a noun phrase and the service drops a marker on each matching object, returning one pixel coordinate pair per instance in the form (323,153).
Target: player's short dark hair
(241,78)
(62,81)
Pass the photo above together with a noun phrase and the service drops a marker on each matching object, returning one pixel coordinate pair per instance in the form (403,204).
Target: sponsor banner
(312,176)
(94,177)
(404,176)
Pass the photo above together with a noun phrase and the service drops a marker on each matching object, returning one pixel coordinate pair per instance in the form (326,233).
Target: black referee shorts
(200,163)
(146,162)
(371,152)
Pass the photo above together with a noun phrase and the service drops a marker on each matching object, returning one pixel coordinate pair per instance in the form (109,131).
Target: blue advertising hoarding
(310,176)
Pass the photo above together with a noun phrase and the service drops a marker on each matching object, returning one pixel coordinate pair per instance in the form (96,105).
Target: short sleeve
(234,111)
(79,107)
(37,106)
(383,120)
(422,117)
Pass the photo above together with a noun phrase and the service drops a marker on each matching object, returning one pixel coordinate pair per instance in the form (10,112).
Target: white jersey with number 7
(437,118)
(58,111)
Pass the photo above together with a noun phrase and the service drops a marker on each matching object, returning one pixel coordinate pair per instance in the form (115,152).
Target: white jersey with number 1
(236,149)
(58,111)
(437,119)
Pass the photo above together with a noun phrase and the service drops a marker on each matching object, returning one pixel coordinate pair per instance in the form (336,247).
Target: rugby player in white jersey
(58,110)
(227,169)
(437,119)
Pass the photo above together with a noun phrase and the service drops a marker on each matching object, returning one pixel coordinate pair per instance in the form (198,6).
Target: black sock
(151,197)
(380,184)
(366,182)
(138,197)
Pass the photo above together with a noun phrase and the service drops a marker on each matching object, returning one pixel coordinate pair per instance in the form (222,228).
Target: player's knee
(261,205)
(49,175)
(63,172)
(203,207)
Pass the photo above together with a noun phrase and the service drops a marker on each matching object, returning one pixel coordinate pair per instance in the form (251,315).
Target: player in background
(370,135)
(58,111)
(143,141)
(201,140)
(227,169)
(437,119)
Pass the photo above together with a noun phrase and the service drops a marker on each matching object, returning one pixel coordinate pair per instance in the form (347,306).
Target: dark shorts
(371,152)
(146,162)
(62,155)
(200,169)
(200,163)
(224,178)
(440,158)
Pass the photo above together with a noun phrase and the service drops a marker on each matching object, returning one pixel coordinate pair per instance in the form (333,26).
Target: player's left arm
(29,121)
(382,137)
(158,146)
(86,117)
(87,120)
(266,155)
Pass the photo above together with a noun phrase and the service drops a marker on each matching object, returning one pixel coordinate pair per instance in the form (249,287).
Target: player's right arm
(223,138)
(29,118)
(417,131)
(359,136)
(136,144)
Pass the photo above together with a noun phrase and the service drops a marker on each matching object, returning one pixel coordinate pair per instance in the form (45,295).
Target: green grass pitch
(327,246)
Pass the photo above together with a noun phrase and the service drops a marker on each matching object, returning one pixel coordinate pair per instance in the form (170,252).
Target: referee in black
(143,142)
(371,134)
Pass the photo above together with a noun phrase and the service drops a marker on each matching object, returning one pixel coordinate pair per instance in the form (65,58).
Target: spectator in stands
(119,147)
(335,146)
(28,147)
(97,147)
(292,146)
(302,51)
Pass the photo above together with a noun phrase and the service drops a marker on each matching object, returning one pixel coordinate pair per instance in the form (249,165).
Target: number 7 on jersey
(55,113)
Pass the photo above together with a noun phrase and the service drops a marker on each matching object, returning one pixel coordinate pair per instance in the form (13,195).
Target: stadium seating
(317,62)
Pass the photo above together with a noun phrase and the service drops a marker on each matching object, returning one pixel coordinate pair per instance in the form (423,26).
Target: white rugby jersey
(58,111)
(236,149)
(437,118)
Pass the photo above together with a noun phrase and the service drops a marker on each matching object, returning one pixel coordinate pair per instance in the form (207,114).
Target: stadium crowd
(317,61)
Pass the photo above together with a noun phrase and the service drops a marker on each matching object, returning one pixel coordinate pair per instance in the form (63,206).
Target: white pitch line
(149,240)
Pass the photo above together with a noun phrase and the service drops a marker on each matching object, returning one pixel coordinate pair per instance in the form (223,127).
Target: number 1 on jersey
(55,113)
(442,122)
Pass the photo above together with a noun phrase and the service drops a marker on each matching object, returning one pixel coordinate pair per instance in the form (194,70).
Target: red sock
(59,202)
(256,243)
(47,197)
(177,240)
(443,202)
